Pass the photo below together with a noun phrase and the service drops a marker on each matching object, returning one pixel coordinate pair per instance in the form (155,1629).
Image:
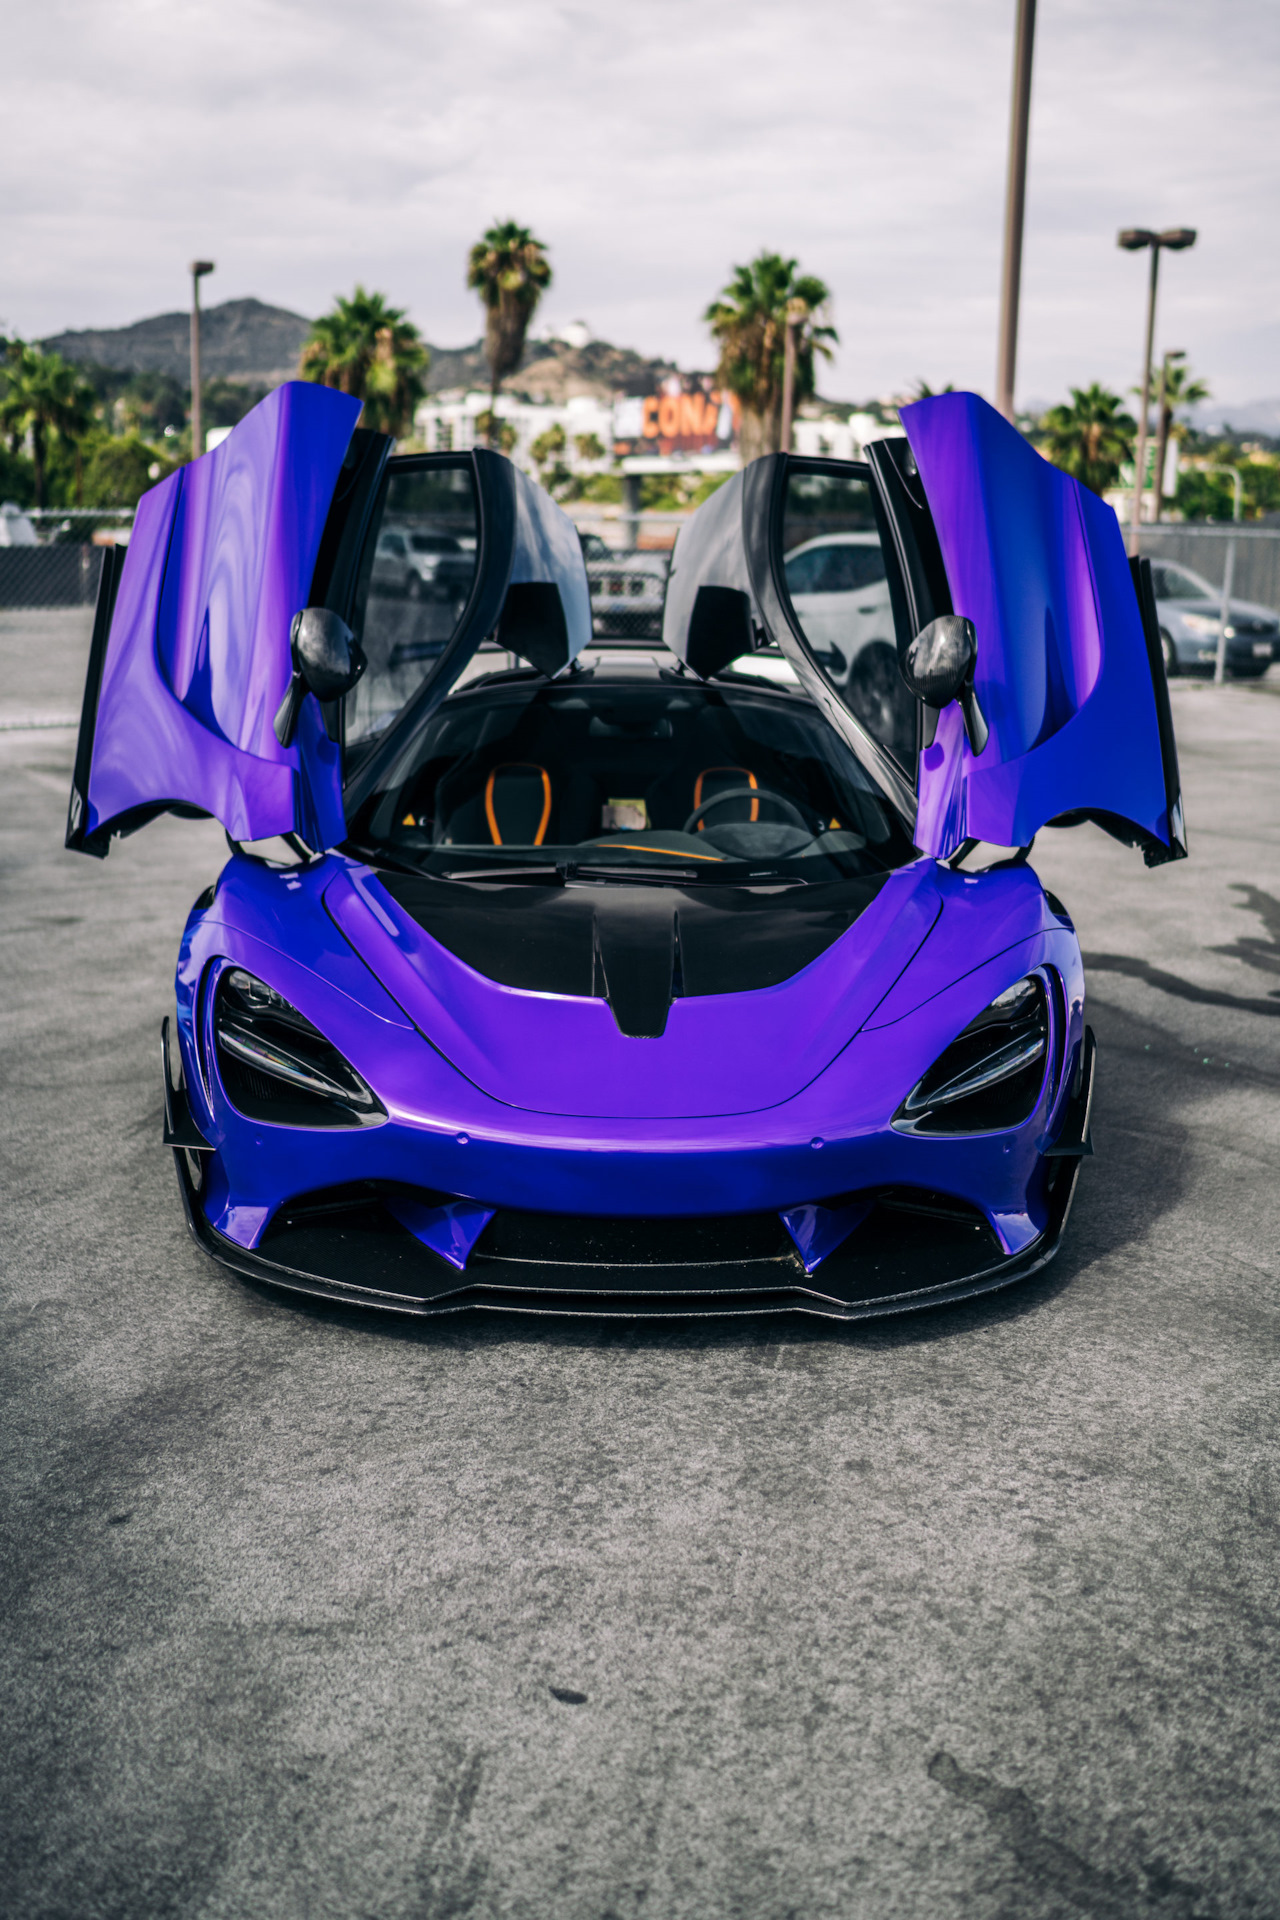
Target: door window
(1172,583)
(420,561)
(835,576)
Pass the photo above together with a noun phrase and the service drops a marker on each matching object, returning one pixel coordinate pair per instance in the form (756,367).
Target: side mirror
(327,661)
(938,668)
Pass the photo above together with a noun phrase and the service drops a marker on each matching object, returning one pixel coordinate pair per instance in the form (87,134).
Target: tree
(548,452)
(1090,439)
(495,431)
(369,350)
(748,321)
(121,467)
(44,399)
(589,446)
(509,269)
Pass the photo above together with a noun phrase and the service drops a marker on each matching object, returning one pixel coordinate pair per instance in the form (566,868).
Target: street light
(198,270)
(1133,240)
(1014,205)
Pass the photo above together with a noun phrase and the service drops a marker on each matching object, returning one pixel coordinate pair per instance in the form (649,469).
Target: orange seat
(517,804)
(714,780)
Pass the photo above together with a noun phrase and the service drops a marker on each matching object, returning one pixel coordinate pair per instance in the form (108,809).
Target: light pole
(1228,571)
(1162,423)
(198,270)
(1014,205)
(1133,240)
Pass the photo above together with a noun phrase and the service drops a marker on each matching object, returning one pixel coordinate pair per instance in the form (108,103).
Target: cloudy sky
(305,147)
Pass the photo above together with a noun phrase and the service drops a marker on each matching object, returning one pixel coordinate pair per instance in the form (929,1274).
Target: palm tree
(41,396)
(509,270)
(749,323)
(1091,439)
(1181,388)
(369,350)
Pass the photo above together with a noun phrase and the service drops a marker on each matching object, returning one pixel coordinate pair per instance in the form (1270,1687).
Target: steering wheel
(788,807)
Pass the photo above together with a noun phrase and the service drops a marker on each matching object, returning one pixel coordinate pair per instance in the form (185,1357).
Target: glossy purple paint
(445,1134)
(1037,562)
(450,1230)
(818,1230)
(221,558)
(552,1053)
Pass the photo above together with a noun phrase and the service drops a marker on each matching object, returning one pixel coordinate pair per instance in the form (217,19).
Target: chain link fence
(54,558)
(628,585)
(1256,573)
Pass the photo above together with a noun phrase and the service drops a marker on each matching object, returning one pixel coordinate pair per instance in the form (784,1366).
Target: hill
(258,345)
(242,340)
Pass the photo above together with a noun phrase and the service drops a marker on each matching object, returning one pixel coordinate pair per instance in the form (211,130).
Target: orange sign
(701,421)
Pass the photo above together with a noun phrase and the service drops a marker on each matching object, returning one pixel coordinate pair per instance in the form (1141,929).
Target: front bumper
(914,1250)
(912,1253)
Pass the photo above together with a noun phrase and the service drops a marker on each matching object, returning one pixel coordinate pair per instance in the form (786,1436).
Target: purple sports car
(606,979)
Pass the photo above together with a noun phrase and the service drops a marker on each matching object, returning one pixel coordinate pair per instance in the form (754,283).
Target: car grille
(911,1240)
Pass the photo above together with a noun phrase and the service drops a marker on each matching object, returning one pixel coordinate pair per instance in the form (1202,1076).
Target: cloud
(305,147)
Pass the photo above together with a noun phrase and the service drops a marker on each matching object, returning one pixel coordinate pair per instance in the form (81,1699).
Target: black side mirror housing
(327,661)
(938,668)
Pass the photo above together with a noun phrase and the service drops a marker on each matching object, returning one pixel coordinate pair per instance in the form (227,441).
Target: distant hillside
(1250,416)
(552,370)
(242,340)
(248,341)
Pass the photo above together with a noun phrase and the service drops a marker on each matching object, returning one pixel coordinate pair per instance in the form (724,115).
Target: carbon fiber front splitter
(910,1255)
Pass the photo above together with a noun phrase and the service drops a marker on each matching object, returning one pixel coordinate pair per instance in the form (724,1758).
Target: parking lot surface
(309,1613)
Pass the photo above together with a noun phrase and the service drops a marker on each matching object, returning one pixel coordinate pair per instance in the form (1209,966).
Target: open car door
(191,655)
(1067,675)
(196,698)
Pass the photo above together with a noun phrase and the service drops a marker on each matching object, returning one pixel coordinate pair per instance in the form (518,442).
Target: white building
(448,423)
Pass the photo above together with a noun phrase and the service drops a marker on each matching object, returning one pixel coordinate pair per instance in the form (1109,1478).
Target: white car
(840,594)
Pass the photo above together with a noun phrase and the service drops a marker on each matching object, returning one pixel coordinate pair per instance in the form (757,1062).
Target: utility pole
(1014,207)
(1162,424)
(1133,240)
(1228,572)
(198,269)
(797,314)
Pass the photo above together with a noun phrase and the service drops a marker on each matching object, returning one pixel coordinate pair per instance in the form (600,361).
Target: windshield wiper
(535,870)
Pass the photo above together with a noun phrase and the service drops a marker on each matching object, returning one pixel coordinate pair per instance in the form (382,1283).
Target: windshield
(643,773)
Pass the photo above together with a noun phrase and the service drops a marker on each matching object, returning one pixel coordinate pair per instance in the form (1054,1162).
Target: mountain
(1250,416)
(251,342)
(552,370)
(243,340)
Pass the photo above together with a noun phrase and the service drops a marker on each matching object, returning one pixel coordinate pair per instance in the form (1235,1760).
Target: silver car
(628,590)
(1190,612)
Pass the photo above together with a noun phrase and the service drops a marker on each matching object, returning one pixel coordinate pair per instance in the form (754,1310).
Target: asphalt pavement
(974,1614)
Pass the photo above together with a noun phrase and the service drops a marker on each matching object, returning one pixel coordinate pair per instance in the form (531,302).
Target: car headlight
(990,1077)
(1201,622)
(276,1066)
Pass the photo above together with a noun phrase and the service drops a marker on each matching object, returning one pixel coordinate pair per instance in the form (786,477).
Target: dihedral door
(1068,675)
(191,653)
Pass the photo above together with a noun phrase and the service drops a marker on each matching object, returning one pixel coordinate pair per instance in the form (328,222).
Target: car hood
(544,1037)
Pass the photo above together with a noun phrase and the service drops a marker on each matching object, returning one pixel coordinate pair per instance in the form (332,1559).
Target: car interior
(626,761)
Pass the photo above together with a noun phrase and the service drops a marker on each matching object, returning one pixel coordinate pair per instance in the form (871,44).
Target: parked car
(840,592)
(1190,613)
(624,981)
(627,590)
(421,566)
